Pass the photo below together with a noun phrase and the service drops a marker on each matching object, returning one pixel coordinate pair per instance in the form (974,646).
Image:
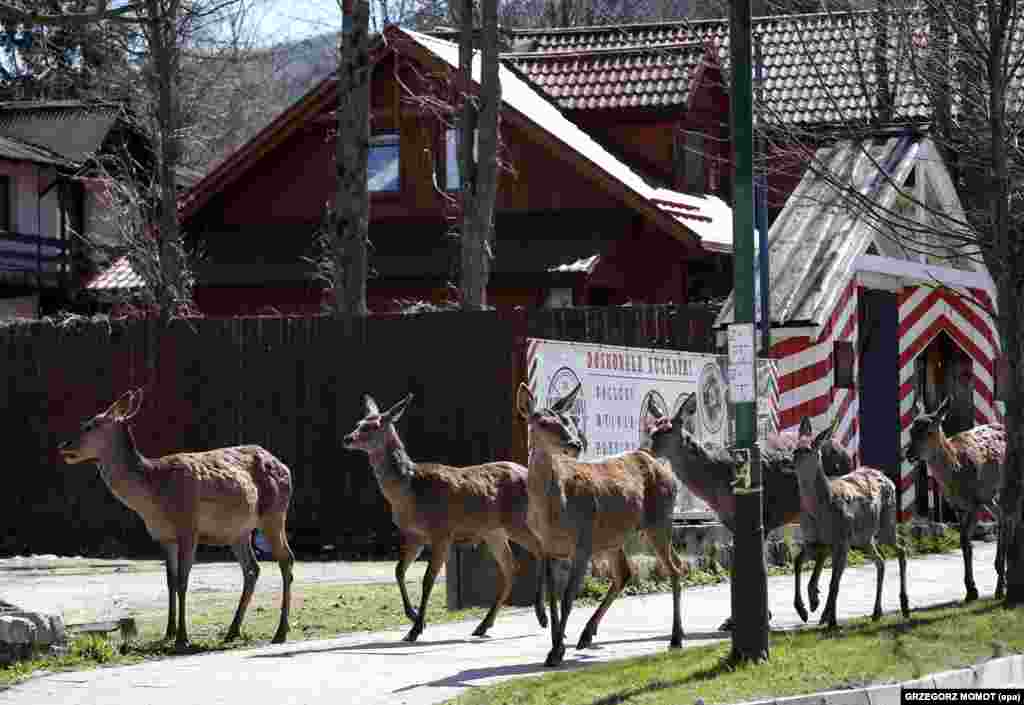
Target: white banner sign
(617,381)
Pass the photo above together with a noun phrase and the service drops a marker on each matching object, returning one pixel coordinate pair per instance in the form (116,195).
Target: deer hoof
(542,618)
(232,634)
(676,642)
(555,657)
(726,626)
(972,594)
(182,646)
(1000,592)
(413,635)
(905,607)
(481,630)
(280,637)
(876,615)
(586,639)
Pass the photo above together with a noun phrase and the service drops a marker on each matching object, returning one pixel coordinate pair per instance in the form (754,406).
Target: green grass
(861,653)
(318,611)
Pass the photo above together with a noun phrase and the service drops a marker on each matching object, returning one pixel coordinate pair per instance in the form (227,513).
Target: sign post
(749,573)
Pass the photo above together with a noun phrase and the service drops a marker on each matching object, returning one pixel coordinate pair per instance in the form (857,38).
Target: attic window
(382,163)
(872,249)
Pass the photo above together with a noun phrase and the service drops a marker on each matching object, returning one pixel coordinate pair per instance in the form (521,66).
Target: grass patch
(318,612)
(862,653)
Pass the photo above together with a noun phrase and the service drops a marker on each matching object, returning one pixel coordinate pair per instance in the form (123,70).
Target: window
(843,364)
(559,298)
(452,173)
(382,163)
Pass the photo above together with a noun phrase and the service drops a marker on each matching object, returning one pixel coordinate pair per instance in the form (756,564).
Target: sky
(283,20)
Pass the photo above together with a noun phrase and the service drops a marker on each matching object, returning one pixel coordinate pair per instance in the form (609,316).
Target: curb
(994,673)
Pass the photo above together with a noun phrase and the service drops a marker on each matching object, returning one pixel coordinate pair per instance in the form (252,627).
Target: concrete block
(844,697)
(49,627)
(813,699)
(926,683)
(960,678)
(883,695)
(17,630)
(997,672)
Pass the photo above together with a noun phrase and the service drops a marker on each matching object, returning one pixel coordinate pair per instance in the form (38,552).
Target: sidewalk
(372,668)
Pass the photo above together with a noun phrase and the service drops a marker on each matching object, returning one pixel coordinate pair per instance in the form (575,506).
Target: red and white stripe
(805,369)
(531,365)
(924,312)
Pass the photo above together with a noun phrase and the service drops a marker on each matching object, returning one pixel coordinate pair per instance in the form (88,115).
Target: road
(376,668)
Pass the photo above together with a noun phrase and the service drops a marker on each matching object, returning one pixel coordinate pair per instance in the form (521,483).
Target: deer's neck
(941,459)
(708,475)
(391,465)
(122,467)
(815,489)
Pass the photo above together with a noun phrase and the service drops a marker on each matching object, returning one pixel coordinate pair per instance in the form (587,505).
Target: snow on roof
(585,265)
(519,95)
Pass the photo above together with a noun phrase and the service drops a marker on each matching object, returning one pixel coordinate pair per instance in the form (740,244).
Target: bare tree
(478,132)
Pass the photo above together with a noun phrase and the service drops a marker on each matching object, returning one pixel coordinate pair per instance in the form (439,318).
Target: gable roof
(74,130)
(681,216)
(816,240)
(818,68)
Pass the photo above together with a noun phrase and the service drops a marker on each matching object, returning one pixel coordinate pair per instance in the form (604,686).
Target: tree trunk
(1012,493)
(352,198)
(480,191)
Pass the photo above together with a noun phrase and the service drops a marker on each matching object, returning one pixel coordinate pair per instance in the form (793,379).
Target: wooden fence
(293,385)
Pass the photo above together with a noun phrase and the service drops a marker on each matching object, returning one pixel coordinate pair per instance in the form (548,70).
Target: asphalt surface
(378,667)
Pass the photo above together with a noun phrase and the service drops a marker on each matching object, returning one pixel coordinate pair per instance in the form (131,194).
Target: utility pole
(761,209)
(749,573)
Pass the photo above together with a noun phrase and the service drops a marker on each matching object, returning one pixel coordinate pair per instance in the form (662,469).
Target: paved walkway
(379,668)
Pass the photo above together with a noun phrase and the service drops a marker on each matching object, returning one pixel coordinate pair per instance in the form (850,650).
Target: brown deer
(969,468)
(581,509)
(216,497)
(708,471)
(857,509)
(437,505)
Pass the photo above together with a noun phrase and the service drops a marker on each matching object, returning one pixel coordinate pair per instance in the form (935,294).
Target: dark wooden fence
(293,385)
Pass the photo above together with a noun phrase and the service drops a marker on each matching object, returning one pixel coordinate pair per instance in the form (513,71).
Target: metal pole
(749,573)
(761,210)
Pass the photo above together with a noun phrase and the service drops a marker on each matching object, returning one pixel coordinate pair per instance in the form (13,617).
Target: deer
(855,509)
(581,509)
(439,505)
(708,470)
(969,468)
(214,497)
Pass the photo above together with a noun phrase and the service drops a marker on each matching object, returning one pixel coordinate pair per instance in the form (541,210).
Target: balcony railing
(32,254)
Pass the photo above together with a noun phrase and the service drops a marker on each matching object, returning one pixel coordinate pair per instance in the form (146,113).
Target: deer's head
(924,430)
(375,432)
(807,454)
(99,433)
(666,437)
(552,427)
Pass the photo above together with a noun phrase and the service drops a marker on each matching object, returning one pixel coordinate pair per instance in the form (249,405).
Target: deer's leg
(621,574)
(531,543)
(876,556)
(901,556)
(670,559)
(813,590)
(411,550)
(580,563)
(250,574)
(282,553)
(798,599)
(438,556)
(840,549)
(186,557)
(1000,551)
(968,521)
(557,634)
(171,564)
(502,552)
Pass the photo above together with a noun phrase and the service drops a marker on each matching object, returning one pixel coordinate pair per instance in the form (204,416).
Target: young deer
(969,468)
(857,509)
(216,497)
(708,470)
(437,505)
(582,509)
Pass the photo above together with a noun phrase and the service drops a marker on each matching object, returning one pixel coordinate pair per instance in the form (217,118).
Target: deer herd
(559,507)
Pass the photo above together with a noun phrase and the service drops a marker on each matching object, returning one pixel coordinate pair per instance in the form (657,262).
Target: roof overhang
(893,274)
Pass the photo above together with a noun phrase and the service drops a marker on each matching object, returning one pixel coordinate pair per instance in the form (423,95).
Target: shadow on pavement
(466,678)
(369,647)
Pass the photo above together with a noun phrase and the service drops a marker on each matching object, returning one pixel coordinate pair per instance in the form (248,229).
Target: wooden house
(575,223)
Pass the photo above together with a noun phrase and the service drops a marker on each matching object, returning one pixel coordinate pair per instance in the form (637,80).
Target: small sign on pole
(742,353)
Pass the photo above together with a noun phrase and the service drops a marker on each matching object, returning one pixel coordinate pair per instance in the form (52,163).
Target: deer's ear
(566,402)
(370,406)
(524,401)
(823,436)
(135,404)
(805,427)
(120,408)
(395,412)
(940,413)
(653,409)
(687,408)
